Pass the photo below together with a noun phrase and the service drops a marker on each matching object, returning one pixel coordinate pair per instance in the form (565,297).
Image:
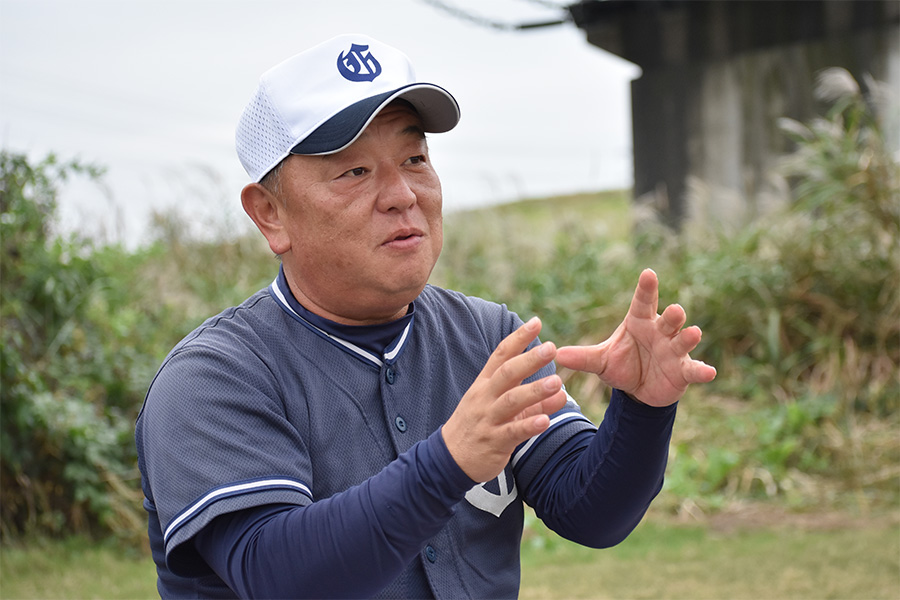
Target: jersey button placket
(400,424)
(430,553)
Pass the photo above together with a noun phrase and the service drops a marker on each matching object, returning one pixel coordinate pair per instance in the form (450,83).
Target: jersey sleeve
(591,485)
(213,438)
(596,487)
(349,545)
(495,323)
(566,423)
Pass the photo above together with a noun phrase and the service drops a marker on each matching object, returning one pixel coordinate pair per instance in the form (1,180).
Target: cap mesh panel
(261,138)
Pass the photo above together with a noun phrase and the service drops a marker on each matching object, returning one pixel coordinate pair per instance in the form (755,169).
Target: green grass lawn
(664,561)
(75,569)
(659,560)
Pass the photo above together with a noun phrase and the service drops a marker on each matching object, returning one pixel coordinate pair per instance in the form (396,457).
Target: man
(353,432)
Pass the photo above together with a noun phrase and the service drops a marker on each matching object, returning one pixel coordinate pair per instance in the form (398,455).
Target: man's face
(365,223)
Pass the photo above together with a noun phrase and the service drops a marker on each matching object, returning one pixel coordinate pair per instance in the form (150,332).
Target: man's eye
(415,160)
(355,172)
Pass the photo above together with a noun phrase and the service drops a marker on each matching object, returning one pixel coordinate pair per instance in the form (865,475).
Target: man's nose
(395,191)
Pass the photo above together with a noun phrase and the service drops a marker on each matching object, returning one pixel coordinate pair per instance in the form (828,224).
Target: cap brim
(437,108)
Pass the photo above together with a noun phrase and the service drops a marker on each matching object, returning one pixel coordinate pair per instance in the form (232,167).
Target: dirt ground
(765,516)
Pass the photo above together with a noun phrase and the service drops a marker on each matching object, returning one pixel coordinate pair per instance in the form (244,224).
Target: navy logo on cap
(356,66)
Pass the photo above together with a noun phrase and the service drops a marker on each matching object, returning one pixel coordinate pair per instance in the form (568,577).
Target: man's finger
(512,345)
(528,399)
(672,320)
(686,340)
(518,431)
(645,301)
(697,371)
(583,358)
(534,421)
(518,368)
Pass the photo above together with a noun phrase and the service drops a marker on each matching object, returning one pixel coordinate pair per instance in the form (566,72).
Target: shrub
(800,311)
(68,365)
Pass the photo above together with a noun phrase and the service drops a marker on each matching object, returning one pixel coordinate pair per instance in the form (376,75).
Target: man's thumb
(582,358)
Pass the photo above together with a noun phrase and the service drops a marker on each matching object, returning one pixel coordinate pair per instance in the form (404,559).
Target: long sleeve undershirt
(594,491)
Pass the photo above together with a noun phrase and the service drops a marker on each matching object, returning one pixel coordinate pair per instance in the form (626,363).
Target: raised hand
(498,413)
(647,356)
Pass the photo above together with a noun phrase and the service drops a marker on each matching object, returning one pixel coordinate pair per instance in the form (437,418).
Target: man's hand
(647,356)
(498,413)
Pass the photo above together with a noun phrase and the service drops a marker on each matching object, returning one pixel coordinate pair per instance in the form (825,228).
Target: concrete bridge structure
(717,75)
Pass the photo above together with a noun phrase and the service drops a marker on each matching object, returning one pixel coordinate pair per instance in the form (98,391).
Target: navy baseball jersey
(265,405)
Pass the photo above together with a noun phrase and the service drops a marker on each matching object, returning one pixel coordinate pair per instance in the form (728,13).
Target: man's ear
(267,212)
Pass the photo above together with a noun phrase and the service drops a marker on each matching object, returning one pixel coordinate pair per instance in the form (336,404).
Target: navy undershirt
(374,338)
(592,491)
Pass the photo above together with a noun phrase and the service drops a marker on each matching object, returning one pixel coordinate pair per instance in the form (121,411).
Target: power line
(464,15)
(549,3)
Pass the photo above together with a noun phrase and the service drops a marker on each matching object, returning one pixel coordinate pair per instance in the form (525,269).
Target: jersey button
(430,553)
(400,422)
(389,375)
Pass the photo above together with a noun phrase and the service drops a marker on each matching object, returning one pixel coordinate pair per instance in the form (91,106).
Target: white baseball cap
(321,100)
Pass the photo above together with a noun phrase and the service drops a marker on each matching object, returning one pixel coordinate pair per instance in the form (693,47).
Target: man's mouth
(404,238)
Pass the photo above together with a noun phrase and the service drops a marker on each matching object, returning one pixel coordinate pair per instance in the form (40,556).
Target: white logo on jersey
(492,503)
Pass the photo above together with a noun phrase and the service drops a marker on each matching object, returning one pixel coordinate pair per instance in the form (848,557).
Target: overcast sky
(152,90)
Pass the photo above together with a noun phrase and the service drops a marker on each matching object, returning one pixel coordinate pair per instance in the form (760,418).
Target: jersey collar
(376,345)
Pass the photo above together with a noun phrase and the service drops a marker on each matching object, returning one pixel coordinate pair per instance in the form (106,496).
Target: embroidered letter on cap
(355,66)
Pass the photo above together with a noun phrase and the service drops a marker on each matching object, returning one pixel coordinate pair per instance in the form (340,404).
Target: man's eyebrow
(414,130)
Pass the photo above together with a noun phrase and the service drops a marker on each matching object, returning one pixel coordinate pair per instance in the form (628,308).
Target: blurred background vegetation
(800,310)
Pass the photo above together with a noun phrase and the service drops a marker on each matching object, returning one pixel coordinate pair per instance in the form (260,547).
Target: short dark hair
(272,180)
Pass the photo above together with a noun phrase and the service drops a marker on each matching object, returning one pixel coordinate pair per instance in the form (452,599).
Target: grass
(609,209)
(801,312)
(481,245)
(75,568)
(663,561)
(660,560)
(778,556)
